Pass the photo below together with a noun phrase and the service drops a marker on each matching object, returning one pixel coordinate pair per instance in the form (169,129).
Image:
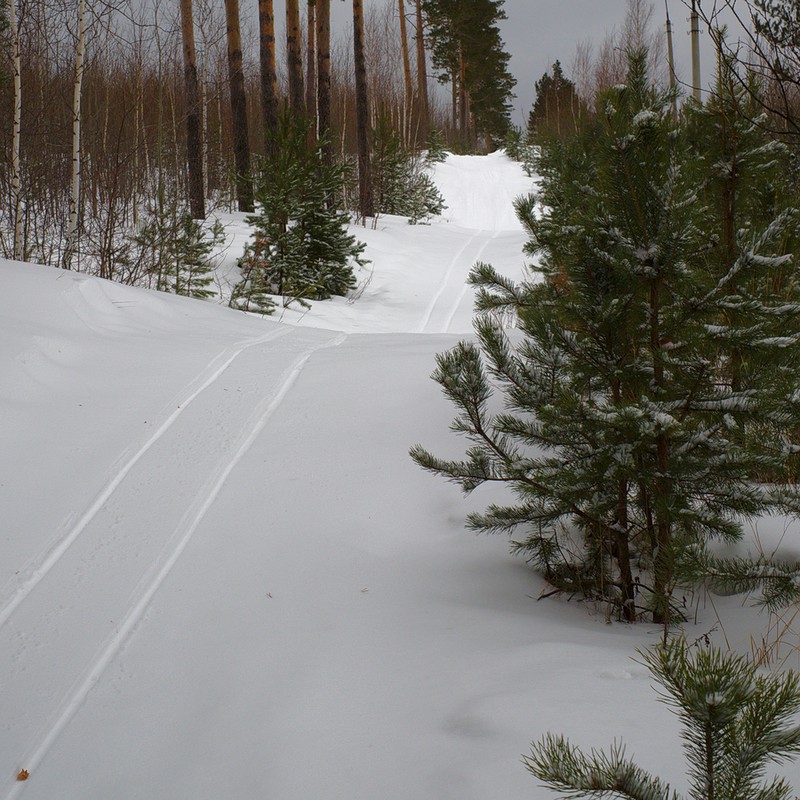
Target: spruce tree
(735,723)
(625,441)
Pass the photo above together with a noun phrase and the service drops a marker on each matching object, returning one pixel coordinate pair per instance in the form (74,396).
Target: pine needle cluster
(735,723)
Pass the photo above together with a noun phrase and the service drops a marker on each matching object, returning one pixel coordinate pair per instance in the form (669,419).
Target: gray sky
(537,32)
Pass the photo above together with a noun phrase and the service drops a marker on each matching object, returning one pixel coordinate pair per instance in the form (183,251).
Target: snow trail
(465,287)
(35,572)
(445,282)
(97,596)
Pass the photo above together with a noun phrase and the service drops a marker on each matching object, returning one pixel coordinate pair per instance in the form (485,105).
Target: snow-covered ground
(221,576)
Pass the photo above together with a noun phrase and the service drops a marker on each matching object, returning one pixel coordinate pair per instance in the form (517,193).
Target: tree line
(121,111)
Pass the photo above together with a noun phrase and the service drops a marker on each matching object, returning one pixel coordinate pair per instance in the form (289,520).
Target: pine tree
(401,183)
(468,52)
(176,250)
(735,723)
(624,439)
(301,247)
(557,110)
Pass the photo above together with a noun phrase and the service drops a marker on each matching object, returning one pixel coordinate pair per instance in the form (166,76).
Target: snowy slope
(221,576)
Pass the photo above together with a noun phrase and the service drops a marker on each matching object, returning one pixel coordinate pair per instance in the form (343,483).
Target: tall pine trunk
(463,116)
(311,69)
(362,115)
(269,75)
(407,83)
(241,139)
(194,134)
(323,13)
(422,75)
(294,58)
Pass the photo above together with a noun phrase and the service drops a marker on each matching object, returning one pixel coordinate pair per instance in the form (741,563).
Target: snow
(221,575)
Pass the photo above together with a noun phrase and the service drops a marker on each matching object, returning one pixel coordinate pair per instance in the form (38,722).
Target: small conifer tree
(735,723)
(626,440)
(176,250)
(301,247)
(401,183)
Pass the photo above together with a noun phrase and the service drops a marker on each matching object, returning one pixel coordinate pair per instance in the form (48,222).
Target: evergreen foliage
(467,47)
(175,250)
(300,247)
(656,375)
(401,181)
(518,146)
(735,723)
(557,110)
(436,147)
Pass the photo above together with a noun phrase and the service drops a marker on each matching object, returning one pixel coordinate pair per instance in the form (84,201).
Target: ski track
(203,500)
(423,326)
(465,287)
(45,561)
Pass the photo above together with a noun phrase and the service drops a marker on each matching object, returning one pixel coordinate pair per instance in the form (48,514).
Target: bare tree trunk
(241,139)
(324,77)
(269,75)
(194,134)
(311,70)
(18,248)
(463,116)
(77,96)
(202,83)
(422,75)
(362,115)
(294,57)
(409,87)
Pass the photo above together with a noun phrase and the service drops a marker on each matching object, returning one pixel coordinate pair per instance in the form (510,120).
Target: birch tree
(18,251)
(77,96)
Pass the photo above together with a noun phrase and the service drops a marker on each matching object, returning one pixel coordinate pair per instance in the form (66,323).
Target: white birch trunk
(16,177)
(75,196)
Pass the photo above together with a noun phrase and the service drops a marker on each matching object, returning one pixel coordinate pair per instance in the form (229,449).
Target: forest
(224,567)
(128,118)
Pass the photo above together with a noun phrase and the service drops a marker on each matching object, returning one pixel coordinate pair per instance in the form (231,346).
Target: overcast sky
(537,32)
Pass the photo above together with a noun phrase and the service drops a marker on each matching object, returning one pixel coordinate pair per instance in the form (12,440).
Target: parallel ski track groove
(45,561)
(457,304)
(432,305)
(184,532)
